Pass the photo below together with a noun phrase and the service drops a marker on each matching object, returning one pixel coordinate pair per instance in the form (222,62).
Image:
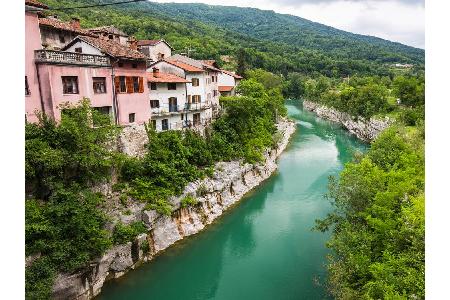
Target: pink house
(33,42)
(112,75)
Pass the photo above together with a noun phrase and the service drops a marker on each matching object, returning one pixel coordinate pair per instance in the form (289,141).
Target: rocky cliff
(231,181)
(366,130)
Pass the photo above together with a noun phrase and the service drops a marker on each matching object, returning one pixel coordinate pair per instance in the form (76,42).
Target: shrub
(126,233)
(202,190)
(188,201)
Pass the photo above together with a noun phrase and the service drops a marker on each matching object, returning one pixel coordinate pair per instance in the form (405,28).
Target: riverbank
(366,130)
(231,181)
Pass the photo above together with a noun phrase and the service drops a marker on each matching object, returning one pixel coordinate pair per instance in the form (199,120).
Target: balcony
(197,106)
(70,58)
(167,110)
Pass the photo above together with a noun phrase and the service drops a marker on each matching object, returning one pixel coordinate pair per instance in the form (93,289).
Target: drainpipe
(115,104)
(40,90)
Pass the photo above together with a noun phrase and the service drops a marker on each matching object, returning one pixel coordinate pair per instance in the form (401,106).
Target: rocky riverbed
(230,182)
(366,130)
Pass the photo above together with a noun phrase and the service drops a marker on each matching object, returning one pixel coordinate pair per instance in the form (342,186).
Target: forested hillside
(259,39)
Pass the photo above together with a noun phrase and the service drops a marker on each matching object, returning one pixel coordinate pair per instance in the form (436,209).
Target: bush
(202,190)
(123,234)
(188,201)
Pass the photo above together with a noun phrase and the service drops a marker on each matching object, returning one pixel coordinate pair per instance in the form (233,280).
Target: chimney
(75,22)
(155,72)
(132,43)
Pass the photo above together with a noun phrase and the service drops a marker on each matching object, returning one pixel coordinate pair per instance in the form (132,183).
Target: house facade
(155,50)
(197,111)
(228,81)
(33,102)
(167,94)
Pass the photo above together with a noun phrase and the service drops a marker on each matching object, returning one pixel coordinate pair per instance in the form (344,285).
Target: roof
(210,62)
(35,3)
(58,24)
(108,29)
(226,88)
(184,66)
(152,43)
(109,47)
(232,74)
(165,77)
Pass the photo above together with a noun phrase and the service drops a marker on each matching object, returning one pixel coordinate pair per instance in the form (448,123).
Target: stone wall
(231,181)
(363,129)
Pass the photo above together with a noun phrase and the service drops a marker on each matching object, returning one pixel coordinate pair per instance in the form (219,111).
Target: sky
(395,20)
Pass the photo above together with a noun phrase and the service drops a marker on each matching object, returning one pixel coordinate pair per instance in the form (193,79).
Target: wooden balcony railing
(71,58)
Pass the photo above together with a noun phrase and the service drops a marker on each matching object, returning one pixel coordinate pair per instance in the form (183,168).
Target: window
(196,98)
(195,82)
(215,93)
(134,65)
(171,86)
(154,103)
(110,36)
(121,64)
(62,39)
(131,117)
(103,109)
(196,119)
(173,107)
(213,78)
(160,56)
(154,124)
(70,84)
(99,85)
(136,84)
(123,85)
(182,117)
(27,88)
(79,50)
(165,124)
(153,86)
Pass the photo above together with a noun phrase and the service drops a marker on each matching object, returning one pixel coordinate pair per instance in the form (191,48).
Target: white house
(200,96)
(228,82)
(155,50)
(168,101)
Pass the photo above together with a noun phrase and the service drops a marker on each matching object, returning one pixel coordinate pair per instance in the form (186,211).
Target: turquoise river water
(263,248)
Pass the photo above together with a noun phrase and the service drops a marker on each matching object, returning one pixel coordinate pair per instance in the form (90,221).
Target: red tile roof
(184,66)
(148,42)
(108,29)
(209,62)
(225,88)
(35,3)
(58,24)
(165,77)
(232,74)
(152,43)
(109,47)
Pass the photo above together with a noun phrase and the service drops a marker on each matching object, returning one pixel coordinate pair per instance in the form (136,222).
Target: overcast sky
(396,20)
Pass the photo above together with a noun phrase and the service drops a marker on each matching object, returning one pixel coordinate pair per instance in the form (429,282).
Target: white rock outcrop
(366,130)
(231,181)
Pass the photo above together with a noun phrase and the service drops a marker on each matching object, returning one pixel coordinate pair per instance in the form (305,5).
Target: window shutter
(199,98)
(189,98)
(117,84)
(129,83)
(141,84)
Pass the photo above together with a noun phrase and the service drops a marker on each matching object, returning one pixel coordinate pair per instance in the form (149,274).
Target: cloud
(396,20)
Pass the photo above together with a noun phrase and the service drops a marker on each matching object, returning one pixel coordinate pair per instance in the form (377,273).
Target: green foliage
(202,190)
(378,222)
(70,152)
(188,201)
(39,279)
(123,234)
(145,247)
(410,90)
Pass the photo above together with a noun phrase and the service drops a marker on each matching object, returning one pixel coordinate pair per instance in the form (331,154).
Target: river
(264,247)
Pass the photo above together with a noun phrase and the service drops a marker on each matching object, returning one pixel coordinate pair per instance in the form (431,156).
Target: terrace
(70,58)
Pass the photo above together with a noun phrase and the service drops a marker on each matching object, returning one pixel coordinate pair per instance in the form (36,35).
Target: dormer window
(78,50)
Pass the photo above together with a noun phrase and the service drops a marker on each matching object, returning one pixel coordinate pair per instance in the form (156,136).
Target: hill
(263,39)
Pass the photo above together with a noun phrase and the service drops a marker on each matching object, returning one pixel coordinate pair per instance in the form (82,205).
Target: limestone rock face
(230,182)
(366,130)
(132,140)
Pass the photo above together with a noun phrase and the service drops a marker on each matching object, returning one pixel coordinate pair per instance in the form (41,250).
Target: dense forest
(277,43)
